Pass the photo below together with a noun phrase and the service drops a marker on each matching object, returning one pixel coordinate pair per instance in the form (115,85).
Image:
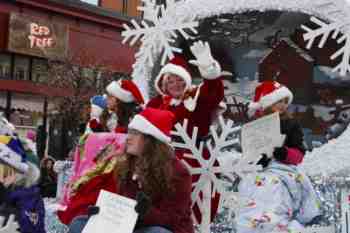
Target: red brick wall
(104,50)
(4,21)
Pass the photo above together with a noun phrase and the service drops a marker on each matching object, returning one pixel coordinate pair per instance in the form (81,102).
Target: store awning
(28,102)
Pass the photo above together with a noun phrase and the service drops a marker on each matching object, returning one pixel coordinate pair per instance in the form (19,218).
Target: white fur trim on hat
(173,69)
(117,91)
(275,96)
(144,126)
(12,159)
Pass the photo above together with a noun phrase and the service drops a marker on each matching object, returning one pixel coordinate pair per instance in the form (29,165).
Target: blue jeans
(78,224)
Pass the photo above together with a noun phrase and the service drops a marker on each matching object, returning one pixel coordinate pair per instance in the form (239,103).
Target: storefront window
(39,71)
(21,68)
(5,66)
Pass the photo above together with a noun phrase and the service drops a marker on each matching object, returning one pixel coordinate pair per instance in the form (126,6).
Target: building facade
(33,31)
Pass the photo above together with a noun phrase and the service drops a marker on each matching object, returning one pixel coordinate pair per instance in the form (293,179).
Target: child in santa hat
(270,97)
(197,104)
(124,99)
(280,198)
(148,172)
(98,105)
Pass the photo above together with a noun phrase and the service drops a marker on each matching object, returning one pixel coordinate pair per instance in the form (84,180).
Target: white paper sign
(261,137)
(117,214)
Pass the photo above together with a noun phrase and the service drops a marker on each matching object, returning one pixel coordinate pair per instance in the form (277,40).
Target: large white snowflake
(339,25)
(158,31)
(208,183)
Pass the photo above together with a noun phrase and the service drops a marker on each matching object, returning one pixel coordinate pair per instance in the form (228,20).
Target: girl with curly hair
(148,172)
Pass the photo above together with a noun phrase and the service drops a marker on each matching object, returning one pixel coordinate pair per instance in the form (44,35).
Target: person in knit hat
(124,99)
(270,97)
(98,105)
(148,172)
(279,198)
(19,193)
(198,104)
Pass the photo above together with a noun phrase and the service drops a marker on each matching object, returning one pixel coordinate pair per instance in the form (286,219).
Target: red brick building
(32,31)
(290,65)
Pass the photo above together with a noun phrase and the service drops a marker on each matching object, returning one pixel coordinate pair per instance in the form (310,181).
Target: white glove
(207,65)
(201,51)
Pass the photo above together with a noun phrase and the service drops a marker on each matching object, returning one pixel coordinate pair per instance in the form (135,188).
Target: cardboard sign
(37,37)
(117,214)
(261,137)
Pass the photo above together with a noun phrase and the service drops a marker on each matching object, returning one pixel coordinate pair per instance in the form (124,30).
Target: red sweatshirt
(172,211)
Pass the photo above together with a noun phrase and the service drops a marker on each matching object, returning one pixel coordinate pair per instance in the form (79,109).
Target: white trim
(144,126)
(115,90)
(12,159)
(173,69)
(275,96)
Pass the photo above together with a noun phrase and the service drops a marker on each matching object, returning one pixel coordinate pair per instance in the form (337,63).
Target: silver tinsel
(328,190)
(52,223)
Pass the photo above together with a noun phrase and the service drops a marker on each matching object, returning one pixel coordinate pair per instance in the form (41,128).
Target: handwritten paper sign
(261,137)
(117,214)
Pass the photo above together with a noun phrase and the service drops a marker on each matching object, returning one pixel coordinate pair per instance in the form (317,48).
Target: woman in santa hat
(197,104)
(148,172)
(176,93)
(124,99)
(280,198)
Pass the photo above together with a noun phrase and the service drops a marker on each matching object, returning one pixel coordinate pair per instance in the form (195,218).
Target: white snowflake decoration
(158,35)
(208,183)
(331,30)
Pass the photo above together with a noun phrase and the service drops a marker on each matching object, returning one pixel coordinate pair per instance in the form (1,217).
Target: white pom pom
(253,107)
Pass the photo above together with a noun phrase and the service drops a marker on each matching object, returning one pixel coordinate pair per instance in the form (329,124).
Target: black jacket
(294,134)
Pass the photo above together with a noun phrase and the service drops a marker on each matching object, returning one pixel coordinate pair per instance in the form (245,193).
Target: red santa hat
(126,91)
(177,66)
(267,94)
(155,122)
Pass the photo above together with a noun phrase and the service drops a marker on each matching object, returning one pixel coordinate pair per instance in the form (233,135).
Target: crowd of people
(138,161)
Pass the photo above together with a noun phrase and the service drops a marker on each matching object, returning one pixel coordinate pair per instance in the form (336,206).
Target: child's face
(281,106)
(7,175)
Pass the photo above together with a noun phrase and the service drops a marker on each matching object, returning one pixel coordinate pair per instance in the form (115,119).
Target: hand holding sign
(261,137)
(116,214)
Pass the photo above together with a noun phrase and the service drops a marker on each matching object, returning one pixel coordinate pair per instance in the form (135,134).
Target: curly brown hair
(153,167)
